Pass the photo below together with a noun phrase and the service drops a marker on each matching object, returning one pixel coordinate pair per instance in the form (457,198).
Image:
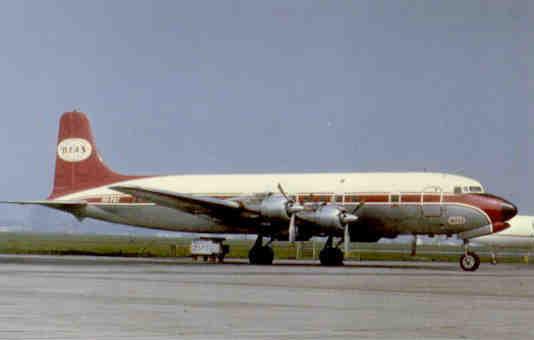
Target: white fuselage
(520,234)
(233,185)
(410,217)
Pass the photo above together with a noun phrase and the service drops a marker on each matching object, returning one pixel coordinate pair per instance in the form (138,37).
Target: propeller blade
(358,207)
(346,240)
(292,229)
(282,191)
(292,205)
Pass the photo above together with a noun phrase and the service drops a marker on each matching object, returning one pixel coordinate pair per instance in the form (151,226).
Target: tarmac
(45,297)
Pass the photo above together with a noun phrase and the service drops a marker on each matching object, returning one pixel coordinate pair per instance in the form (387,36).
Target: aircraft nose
(508,210)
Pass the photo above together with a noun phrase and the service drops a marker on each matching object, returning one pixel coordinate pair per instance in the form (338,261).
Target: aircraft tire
(261,255)
(331,257)
(470,262)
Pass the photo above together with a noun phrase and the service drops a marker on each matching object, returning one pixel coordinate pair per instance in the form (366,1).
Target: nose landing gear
(469,261)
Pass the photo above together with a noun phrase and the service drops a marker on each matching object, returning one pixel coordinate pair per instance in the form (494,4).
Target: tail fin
(78,163)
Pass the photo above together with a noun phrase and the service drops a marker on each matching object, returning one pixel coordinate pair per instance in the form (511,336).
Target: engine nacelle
(327,216)
(274,207)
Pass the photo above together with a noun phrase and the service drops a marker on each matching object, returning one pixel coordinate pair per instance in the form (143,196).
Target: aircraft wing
(197,205)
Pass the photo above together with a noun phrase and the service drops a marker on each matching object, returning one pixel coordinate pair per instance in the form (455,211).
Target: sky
(176,87)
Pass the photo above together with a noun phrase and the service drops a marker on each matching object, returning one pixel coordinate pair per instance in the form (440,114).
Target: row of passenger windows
(466,189)
(394,198)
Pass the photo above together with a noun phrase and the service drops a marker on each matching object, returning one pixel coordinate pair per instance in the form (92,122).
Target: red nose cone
(498,209)
(508,210)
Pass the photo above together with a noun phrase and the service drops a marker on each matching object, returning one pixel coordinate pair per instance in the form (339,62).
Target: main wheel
(470,262)
(268,255)
(331,257)
(261,255)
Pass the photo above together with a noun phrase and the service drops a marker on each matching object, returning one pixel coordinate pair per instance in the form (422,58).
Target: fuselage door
(432,202)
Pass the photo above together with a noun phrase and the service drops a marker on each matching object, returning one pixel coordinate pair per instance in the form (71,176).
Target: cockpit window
(457,190)
(475,189)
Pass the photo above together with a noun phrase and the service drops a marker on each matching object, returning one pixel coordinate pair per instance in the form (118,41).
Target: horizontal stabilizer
(50,204)
(74,207)
(184,202)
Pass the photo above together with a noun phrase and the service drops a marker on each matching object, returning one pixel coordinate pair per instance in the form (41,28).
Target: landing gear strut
(331,256)
(261,254)
(414,246)
(469,261)
(493,256)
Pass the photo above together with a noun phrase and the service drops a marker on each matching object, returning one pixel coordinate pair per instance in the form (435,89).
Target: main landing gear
(331,256)
(261,254)
(469,261)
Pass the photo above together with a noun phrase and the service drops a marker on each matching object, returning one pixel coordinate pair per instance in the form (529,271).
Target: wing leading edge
(184,202)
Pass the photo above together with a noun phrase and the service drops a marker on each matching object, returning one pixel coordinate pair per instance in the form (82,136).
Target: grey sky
(222,86)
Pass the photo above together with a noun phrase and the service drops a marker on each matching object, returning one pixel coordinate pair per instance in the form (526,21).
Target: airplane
(519,235)
(351,207)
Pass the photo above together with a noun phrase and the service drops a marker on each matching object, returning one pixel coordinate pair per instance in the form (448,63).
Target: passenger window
(457,190)
(394,198)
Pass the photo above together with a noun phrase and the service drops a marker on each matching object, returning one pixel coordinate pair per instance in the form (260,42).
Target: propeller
(347,219)
(346,240)
(293,227)
(292,208)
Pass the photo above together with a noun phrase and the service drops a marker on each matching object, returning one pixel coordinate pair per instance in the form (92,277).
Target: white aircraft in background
(519,235)
(359,207)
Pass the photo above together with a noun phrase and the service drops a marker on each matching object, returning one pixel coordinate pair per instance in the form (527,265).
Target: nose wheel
(469,261)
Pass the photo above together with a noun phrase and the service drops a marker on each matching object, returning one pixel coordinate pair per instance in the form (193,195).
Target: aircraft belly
(158,217)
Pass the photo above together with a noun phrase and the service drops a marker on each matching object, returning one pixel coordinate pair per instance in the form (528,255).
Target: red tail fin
(78,163)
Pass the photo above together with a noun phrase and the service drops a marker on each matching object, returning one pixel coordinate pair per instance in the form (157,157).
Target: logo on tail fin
(74,150)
